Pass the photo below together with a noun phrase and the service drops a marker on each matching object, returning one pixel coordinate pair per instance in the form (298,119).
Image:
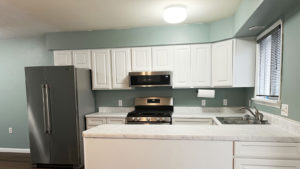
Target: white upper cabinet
(82,58)
(182,66)
(62,57)
(121,66)
(244,62)
(222,54)
(141,59)
(101,69)
(162,58)
(200,65)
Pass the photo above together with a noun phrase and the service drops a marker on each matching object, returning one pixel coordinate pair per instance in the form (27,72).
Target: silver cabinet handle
(47,96)
(46,108)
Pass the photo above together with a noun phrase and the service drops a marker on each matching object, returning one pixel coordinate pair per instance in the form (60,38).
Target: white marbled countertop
(280,129)
(259,133)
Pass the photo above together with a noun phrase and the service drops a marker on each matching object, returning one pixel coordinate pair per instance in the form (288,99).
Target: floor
(15,161)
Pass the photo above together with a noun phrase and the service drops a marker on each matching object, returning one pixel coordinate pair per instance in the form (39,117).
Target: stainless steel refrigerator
(58,97)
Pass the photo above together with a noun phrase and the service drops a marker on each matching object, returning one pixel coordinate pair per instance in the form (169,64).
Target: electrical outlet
(120,103)
(203,102)
(284,110)
(224,102)
(10,130)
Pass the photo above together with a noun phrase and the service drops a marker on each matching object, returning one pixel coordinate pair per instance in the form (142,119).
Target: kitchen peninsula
(181,146)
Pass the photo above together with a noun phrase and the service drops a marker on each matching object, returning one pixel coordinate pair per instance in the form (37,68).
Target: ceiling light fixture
(175,14)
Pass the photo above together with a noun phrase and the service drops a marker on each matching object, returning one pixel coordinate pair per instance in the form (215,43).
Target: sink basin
(240,120)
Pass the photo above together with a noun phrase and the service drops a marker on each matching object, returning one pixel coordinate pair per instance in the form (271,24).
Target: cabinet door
(201,65)
(62,57)
(222,63)
(162,58)
(82,58)
(182,66)
(141,59)
(95,121)
(101,70)
(265,164)
(121,66)
(112,120)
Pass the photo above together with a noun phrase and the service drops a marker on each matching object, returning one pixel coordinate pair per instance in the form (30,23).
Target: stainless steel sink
(240,120)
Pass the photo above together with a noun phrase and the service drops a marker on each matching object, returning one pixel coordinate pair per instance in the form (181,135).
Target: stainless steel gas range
(151,110)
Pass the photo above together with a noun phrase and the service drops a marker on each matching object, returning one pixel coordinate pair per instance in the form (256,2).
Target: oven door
(150,79)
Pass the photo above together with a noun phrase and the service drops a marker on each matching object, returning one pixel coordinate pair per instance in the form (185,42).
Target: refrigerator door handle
(47,99)
(44,109)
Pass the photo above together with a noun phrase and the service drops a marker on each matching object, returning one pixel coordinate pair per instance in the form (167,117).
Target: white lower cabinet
(115,120)
(265,164)
(266,155)
(192,121)
(96,121)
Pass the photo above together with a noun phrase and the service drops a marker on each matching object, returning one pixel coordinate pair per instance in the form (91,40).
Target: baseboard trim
(14,150)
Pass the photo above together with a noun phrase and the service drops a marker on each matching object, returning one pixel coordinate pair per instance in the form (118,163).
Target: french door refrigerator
(58,97)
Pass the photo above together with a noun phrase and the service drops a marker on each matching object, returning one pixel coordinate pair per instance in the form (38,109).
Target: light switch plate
(10,130)
(284,110)
(203,102)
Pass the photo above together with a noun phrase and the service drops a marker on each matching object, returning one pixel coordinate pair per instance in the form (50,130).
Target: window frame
(262,100)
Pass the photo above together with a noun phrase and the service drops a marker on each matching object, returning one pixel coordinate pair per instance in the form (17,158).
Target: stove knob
(132,118)
(148,118)
(162,119)
(158,119)
(137,119)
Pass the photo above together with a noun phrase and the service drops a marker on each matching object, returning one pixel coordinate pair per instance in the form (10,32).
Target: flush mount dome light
(175,14)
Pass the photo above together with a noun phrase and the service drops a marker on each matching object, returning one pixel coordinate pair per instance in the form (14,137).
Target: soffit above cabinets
(40,16)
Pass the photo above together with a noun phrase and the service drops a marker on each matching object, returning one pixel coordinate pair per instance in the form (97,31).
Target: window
(269,54)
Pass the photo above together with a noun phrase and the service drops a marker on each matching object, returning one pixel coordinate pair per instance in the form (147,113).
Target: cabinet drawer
(192,121)
(90,126)
(265,164)
(115,120)
(267,150)
(95,121)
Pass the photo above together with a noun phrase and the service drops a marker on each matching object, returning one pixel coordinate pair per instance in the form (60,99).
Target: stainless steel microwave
(150,79)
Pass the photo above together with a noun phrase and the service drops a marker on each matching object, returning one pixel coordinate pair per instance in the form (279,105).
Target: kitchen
(200,73)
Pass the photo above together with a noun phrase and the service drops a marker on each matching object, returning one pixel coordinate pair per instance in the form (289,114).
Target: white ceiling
(29,17)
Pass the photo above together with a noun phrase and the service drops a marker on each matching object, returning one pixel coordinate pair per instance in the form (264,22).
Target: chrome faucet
(257,115)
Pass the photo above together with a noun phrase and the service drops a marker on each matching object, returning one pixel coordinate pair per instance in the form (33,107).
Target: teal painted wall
(245,10)
(15,54)
(182,97)
(146,36)
(222,29)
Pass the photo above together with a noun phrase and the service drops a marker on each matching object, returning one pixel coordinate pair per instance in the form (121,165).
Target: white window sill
(267,102)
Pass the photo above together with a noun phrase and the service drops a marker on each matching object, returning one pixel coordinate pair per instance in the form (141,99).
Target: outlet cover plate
(203,102)
(284,110)
(225,102)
